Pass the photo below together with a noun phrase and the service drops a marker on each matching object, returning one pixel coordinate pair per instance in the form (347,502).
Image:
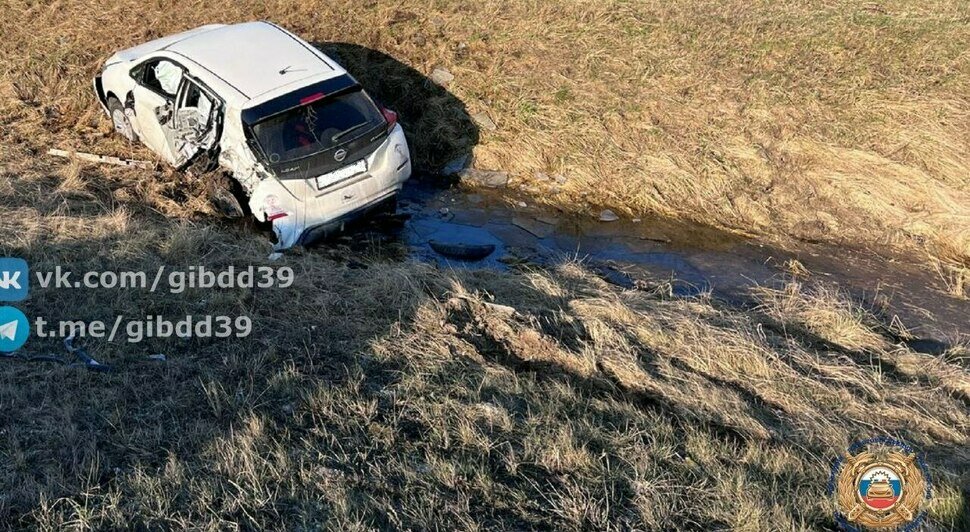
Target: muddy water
(679,257)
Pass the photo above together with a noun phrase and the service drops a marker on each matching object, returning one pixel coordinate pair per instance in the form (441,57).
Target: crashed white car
(309,147)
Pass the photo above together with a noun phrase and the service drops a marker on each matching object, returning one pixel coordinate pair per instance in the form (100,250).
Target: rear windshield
(317,126)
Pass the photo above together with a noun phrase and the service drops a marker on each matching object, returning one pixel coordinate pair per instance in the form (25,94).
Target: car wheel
(224,193)
(120,120)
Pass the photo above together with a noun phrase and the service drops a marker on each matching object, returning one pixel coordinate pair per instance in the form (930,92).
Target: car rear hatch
(318,130)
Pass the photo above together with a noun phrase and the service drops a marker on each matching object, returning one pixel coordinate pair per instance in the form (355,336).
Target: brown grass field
(392,394)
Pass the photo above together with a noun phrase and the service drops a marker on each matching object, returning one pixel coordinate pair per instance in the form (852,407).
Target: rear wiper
(348,131)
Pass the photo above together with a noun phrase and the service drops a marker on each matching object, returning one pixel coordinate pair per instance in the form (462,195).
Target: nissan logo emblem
(340,155)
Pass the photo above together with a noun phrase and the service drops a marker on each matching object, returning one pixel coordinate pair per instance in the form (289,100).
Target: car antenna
(287,70)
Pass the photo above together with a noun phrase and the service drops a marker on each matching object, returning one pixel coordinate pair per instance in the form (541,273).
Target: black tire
(225,193)
(120,120)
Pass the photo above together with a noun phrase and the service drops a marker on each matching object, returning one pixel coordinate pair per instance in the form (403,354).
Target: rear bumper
(332,227)
(302,212)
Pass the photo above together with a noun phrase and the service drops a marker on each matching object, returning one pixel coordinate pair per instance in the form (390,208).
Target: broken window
(163,77)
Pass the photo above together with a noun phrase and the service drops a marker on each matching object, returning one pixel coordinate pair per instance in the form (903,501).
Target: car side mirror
(163,113)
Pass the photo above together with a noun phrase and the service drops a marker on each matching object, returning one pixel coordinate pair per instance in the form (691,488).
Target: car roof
(253,57)
(137,52)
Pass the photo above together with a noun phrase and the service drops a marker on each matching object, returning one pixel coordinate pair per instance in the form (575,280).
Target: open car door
(151,112)
(195,124)
(175,115)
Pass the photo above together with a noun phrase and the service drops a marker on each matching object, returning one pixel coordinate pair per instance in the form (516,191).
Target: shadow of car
(436,123)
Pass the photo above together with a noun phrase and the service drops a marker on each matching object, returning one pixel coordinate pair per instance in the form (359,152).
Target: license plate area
(341,174)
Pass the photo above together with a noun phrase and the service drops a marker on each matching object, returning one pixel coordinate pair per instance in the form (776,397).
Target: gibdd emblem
(880,483)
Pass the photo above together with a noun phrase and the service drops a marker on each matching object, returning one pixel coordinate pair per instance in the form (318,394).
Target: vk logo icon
(14,329)
(14,280)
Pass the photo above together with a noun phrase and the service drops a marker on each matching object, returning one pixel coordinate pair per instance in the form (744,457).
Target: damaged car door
(176,116)
(194,126)
(157,83)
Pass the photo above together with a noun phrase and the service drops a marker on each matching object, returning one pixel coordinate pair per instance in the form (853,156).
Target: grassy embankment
(397,395)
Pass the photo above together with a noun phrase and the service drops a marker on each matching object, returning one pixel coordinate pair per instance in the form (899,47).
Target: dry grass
(405,396)
(955,278)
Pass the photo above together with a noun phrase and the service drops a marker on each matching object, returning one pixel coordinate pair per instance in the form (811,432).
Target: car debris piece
(504,310)
(455,166)
(310,148)
(535,227)
(486,178)
(105,159)
(484,122)
(467,252)
(442,77)
(464,301)
(76,352)
(82,355)
(608,216)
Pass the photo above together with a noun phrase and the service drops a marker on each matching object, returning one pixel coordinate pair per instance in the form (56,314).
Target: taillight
(390,116)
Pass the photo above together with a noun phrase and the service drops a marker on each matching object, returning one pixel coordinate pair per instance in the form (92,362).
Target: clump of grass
(823,311)
(72,179)
(954,277)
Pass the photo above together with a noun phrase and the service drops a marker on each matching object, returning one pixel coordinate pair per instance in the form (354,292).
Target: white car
(308,145)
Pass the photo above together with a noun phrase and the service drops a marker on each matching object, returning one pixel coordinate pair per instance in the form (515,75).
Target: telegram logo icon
(14,329)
